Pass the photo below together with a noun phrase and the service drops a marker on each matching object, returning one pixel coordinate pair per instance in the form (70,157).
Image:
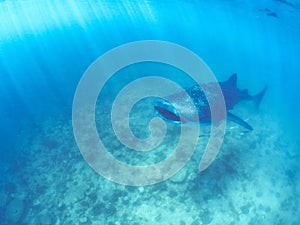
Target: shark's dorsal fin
(238,120)
(231,82)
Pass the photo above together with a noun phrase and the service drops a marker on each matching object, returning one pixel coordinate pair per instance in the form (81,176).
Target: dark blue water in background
(45,47)
(43,58)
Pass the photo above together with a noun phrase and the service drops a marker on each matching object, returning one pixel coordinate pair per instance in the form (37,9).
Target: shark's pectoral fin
(238,120)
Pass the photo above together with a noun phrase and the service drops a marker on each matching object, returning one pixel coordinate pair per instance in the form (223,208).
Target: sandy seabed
(254,180)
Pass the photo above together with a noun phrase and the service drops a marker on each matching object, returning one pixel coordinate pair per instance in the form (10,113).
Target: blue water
(45,48)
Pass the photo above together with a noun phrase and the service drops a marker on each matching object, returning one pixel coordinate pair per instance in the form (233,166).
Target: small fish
(269,12)
(273,14)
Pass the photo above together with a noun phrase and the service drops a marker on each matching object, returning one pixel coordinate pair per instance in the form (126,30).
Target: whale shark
(232,96)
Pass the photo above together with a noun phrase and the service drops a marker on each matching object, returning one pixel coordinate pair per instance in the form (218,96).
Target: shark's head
(167,111)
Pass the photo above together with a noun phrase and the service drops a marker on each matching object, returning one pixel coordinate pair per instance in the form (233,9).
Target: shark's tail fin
(258,97)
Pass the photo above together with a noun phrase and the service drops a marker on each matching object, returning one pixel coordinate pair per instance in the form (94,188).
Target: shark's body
(232,95)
